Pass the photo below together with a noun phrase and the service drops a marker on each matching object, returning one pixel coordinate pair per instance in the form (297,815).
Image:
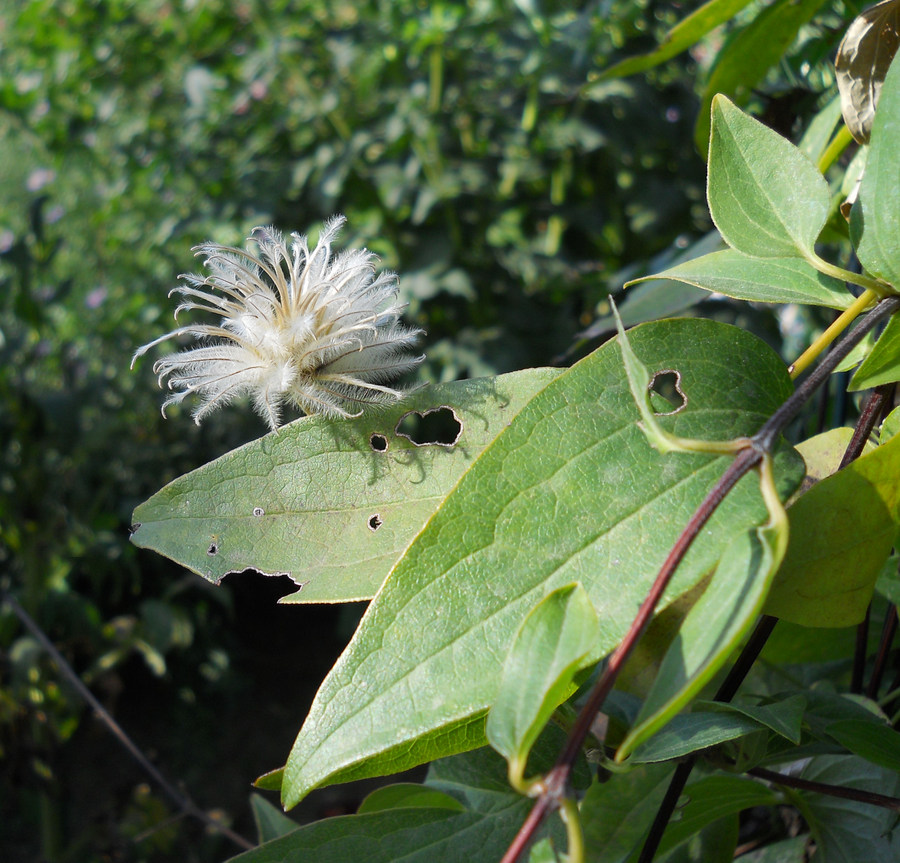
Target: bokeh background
(470,144)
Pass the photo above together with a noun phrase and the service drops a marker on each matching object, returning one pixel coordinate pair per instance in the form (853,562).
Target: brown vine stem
(856,794)
(185,805)
(555,784)
(875,409)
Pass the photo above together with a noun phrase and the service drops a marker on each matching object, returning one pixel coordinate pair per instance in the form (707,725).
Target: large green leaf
(537,675)
(882,366)
(684,34)
(749,54)
(875,217)
(841,532)
(766,198)
(764,280)
(570,491)
(331,504)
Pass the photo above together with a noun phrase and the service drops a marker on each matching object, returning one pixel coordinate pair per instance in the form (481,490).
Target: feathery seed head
(297,327)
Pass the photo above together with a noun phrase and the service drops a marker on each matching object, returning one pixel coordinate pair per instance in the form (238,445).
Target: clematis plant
(569,514)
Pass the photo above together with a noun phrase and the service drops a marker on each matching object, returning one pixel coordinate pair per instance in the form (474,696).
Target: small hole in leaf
(375,522)
(212,550)
(436,427)
(134,528)
(378,442)
(667,385)
(258,511)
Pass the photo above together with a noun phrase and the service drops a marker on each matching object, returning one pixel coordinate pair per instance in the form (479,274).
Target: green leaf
(784,717)
(875,217)
(848,831)
(417,835)
(548,650)
(657,298)
(743,62)
(766,198)
(823,453)
(570,491)
(270,821)
(891,425)
(862,61)
(618,813)
(816,138)
(407,795)
(684,34)
(841,532)
(713,628)
(874,741)
(825,708)
(709,799)
(882,365)
(691,732)
(331,504)
(786,851)
(715,842)
(764,280)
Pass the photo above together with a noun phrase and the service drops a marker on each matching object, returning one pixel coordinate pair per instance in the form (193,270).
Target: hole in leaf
(378,442)
(134,528)
(436,427)
(258,511)
(375,522)
(212,550)
(667,385)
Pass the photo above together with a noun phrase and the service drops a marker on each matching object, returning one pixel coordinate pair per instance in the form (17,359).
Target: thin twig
(856,794)
(888,631)
(876,407)
(860,649)
(762,442)
(184,803)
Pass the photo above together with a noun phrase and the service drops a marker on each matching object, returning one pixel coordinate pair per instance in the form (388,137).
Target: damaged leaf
(332,504)
(570,492)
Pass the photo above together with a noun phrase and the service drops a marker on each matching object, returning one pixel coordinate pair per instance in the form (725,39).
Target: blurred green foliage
(471,145)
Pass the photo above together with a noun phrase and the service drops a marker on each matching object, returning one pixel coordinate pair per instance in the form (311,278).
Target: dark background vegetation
(469,144)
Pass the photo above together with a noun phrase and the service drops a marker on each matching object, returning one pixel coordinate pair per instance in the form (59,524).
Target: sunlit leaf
(766,198)
(537,676)
(570,491)
(712,630)
(763,280)
(875,217)
(882,365)
(331,504)
(841,532)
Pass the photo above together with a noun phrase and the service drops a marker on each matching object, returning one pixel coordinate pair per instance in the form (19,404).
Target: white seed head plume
(297,327)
